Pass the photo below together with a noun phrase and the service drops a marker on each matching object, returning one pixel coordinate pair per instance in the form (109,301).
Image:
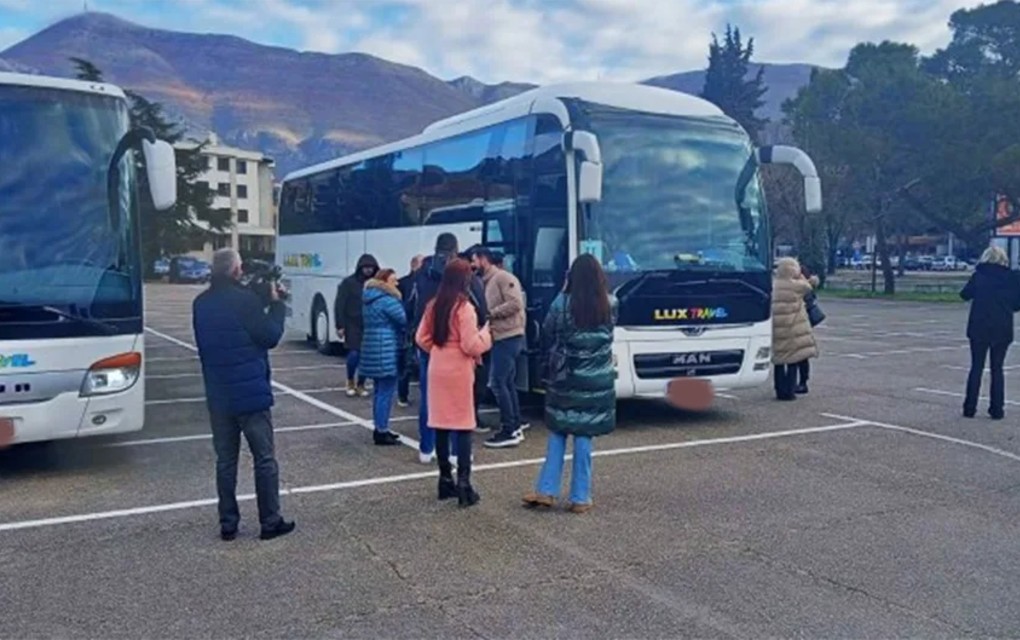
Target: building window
(223,190)
(242,167)
(223,164)
(242,216)
(242,191)
(211,162)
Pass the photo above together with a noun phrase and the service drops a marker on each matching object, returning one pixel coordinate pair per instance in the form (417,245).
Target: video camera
(261,278)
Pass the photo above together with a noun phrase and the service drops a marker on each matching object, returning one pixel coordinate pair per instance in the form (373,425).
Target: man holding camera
(234,332)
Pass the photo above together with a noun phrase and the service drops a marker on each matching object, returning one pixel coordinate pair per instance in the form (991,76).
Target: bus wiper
(639,282)
(747,285)
(104,327)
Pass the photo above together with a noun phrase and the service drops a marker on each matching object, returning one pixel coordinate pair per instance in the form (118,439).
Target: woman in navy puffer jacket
(385,326)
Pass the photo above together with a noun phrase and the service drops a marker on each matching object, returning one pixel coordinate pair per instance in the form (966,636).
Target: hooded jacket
(385,328)
(426,285)
(994,294)
(793,340)
(347,309)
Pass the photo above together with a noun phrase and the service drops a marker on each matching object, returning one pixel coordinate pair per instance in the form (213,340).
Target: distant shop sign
(1003,210)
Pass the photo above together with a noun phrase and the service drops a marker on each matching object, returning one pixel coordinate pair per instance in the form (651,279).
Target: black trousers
(785,380)
(803,372)
(979,351)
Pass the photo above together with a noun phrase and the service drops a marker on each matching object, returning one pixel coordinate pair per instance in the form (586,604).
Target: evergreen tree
(727,84)
(176,230)
(85,70)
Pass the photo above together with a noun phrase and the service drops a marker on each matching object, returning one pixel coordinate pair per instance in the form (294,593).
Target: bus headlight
(764,353)
(112,375)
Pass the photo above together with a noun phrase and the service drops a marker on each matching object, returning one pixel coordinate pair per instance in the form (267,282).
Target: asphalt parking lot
(868,508)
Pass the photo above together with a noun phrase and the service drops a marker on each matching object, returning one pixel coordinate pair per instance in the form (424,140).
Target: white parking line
(315,402)
(198,374)
(897,352)
(933,436)
(953,394)
(424,475)
(208,436)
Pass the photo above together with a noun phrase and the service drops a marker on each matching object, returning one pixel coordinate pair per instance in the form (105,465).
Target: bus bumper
(69,415)
(645,368)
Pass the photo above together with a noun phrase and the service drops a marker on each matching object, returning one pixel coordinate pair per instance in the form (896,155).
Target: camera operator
(234,332)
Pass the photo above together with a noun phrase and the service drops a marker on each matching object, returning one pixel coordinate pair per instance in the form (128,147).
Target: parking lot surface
(868,508)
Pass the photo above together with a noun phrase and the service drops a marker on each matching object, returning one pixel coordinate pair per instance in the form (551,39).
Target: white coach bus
(71,328)
(660,186)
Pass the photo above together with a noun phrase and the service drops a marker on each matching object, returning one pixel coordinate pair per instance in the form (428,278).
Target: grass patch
(904,296)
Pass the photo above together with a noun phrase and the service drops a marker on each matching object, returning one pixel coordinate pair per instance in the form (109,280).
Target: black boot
(466,495)
(447,487)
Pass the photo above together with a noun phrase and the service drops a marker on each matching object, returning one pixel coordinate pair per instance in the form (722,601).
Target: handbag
(814,311)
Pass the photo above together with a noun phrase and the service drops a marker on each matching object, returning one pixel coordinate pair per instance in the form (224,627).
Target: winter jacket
(426,285)
(994,294)
(793,340)
(505,301)
(385,327)
(584,403)
(451,374)
(347,308)
(234,334)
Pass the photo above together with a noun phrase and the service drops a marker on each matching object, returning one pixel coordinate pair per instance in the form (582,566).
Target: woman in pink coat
(449,333)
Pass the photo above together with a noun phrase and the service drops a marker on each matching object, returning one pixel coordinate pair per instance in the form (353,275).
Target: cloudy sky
(528,40)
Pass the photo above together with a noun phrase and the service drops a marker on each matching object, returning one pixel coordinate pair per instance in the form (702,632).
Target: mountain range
(297,107)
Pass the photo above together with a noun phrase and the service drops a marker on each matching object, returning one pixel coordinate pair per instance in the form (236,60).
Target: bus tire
(320,328)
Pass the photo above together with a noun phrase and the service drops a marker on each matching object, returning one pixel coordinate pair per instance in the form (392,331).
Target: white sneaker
(351,392)
(524,426)
(402,404)
(426,458)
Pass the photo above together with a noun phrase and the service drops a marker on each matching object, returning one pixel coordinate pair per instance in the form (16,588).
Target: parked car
(949,263)
(161,267)
(186,269)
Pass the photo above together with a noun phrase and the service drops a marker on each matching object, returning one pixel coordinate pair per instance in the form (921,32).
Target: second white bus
(661,186)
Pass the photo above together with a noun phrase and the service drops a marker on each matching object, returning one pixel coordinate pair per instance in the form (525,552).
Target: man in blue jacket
(234,333)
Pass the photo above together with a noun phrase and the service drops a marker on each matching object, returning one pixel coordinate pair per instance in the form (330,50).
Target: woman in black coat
(994,294)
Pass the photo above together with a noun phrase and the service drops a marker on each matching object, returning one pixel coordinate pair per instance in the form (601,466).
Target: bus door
(546,263)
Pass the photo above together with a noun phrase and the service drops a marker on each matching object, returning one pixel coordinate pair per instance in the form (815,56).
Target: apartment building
(243,183)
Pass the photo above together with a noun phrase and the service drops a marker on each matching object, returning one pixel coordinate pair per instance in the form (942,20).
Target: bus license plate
(6,431)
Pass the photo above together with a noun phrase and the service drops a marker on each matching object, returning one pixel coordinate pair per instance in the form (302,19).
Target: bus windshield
(61,245)
(678,194)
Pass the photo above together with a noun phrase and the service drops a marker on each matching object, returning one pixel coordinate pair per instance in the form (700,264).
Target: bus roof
(64,84)
(621,95)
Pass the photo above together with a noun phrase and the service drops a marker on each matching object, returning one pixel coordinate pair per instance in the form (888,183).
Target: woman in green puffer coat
(580,398)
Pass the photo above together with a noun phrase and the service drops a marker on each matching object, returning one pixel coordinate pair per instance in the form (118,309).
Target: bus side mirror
(589,177)
(813,194)
(161,171)
(780,154)
(589,183)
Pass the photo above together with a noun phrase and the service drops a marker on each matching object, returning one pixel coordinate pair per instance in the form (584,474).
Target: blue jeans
(258,431)
(552,469)
(382,402)
(353,360)
(503,382)
(426,434)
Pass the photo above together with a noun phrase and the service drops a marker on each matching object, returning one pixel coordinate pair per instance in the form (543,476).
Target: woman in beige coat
(793,341)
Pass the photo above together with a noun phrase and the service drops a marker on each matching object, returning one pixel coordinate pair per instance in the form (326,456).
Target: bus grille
(694,364)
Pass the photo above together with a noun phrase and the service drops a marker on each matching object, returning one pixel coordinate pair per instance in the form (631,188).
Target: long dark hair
(589,293)
(452,292)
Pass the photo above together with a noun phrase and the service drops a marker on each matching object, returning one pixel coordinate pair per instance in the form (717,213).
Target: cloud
(535,40)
